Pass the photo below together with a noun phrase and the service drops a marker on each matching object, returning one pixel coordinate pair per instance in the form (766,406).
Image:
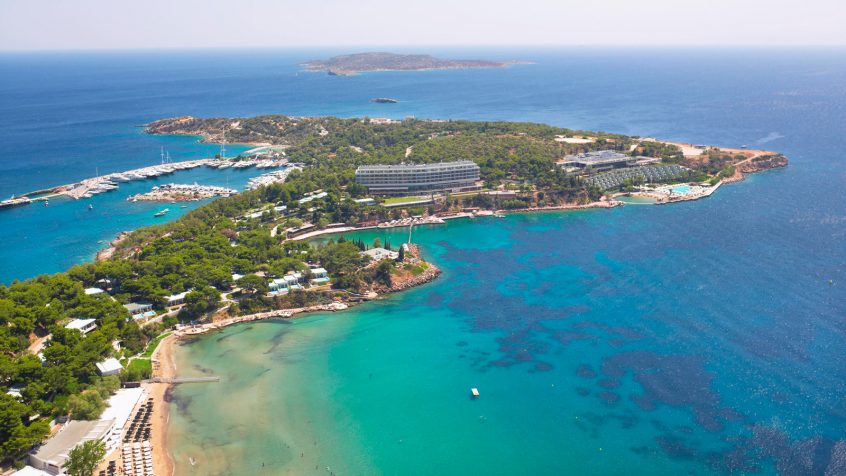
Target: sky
(116,24)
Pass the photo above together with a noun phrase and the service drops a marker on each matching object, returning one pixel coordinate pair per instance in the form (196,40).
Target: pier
(175,380)
(182,192)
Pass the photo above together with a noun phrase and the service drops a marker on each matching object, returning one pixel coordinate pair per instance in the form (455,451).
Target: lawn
(141,365)
(397,200)
(151,347)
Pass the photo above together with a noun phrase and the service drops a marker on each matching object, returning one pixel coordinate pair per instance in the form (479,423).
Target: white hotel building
(406,179)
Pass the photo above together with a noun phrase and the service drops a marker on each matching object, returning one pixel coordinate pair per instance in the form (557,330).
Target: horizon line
(381,48)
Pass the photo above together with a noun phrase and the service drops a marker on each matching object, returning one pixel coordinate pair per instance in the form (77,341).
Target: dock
(176,380)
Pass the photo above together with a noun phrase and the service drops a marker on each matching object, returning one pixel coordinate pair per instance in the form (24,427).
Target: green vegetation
(416,269)
(511,155)
(397,200)
(89,404)
(139,369)
(668,153)
(17,433)
(84,458)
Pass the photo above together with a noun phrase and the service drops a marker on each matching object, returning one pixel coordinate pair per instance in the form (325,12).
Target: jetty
(105,183)
(176,380)
(174,192)
(278,176)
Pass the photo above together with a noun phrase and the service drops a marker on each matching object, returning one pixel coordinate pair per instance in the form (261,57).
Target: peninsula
(247,256)
(347,65)
(522,166)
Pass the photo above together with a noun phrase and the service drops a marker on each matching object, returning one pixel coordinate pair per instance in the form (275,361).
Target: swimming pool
(681,189)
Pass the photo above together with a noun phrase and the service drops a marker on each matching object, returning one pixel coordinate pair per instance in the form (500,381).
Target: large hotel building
(423,178)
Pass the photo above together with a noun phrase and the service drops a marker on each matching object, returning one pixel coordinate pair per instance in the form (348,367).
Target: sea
(704,337)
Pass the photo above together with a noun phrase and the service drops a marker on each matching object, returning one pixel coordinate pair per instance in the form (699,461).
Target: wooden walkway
(185,379)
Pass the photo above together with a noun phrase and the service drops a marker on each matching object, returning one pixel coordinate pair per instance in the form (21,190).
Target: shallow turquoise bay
(594,352)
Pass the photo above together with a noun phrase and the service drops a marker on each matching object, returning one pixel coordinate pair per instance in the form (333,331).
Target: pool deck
(667,193)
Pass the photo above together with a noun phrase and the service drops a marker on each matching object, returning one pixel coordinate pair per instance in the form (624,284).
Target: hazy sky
(62,24)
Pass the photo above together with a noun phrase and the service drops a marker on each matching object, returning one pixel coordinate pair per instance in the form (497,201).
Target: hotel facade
(406,179)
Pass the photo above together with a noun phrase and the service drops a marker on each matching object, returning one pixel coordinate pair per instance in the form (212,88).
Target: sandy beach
(163,366)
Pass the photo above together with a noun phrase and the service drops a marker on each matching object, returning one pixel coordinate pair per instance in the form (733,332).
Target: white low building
(93,291)
(140,310)
(319,276)
(30,471)
(82,325)
(378,254)
(177,299)
(277,286)
(110,366)
(52,455)
(118,411)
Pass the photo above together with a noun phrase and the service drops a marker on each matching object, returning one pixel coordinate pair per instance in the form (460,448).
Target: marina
(271,177)
(99,184)
(174,192)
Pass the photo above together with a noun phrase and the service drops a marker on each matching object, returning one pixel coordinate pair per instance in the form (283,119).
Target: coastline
(164,367)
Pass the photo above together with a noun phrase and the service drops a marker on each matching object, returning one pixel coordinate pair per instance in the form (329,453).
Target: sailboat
(162,213)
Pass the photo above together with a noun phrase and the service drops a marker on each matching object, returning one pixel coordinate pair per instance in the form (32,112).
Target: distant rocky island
(347,65)
(384,100)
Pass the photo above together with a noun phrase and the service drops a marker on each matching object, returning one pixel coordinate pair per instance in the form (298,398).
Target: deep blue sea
(697,338)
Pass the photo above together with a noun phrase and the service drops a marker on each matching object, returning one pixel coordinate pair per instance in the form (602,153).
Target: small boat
(184,206)
(162,213)
(474,392)
(90,206)
(46,202)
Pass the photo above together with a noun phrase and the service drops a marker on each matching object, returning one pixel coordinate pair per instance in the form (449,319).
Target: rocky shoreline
(107,253)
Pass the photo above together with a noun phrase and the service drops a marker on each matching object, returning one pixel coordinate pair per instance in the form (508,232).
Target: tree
(15,437)
(86,406)
(253,284)
(84,458)
(199,302)
(401,256)
(383,272)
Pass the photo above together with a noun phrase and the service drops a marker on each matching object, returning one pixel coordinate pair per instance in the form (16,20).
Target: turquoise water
(696,338)
(636,200)
(595,351)
(681,189)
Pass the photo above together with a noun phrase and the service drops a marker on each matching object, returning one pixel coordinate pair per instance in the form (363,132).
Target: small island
(384,100)
(348,65)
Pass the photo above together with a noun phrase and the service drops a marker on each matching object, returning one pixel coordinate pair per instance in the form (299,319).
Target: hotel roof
(416,167)
(121,405)
(598,157)
(78,324)
(134,307)
(175,297)
(109,365)
(55,450)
